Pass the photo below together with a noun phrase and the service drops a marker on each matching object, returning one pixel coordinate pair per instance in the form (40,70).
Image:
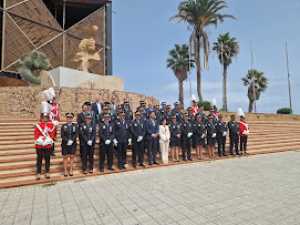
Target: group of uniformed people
(155,130)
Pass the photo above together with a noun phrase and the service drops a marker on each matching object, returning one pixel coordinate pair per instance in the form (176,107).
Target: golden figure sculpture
(87,51)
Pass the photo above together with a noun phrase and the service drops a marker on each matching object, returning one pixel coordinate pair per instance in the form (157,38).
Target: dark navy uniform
(211,133)
(221,137)
(87,134)
(107,136)
(122,134)
(186,139)
(152,127)
(233,128)
(199,131)
(68,134)
(138,132)
(175,133)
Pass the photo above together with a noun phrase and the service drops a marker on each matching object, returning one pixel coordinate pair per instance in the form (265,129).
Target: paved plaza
(257,190)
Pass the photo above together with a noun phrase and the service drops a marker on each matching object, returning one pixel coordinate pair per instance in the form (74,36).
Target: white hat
(194,98)
(214,102)
(45,108)
(51,93)
(240,112)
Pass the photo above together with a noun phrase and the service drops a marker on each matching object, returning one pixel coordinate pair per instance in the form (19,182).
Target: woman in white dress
(164,141)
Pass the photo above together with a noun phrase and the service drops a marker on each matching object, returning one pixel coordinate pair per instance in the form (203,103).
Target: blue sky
(143,35)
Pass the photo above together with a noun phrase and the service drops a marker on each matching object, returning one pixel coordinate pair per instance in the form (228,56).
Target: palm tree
(256,83)
(226,47)
(180,62)
(200,14)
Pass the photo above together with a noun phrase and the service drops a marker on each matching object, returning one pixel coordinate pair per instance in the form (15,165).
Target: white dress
(164,141)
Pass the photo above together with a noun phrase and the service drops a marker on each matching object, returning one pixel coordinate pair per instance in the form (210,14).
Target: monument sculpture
(87,51)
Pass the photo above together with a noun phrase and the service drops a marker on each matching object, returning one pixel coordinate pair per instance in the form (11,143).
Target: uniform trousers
(221,145)
(186,149)
(234,143)
(243,143)
(106,151)
(43,153)
(87,157)
(122,153)
(138,151)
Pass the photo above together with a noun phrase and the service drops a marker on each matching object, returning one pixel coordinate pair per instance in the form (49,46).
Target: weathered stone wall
(25,101)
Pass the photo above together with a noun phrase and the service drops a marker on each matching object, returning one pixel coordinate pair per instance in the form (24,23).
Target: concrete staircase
(17,153)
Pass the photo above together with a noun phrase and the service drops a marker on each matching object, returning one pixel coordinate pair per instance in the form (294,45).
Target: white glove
(246,132)
(140,138)
(55,123)
(90,142)
(203,136)
(115,142)
(178,135)
(224,134)
(213,135)
(70,142)
(129,141)
(190,134)
(107,142)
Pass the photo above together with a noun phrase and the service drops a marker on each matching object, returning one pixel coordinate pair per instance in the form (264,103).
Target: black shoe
(90,171)
(156,163)
(111,169)
(190,159)
(101,170)
(85,172)
(52,154)
(224,154)
(142,165)
(150,164)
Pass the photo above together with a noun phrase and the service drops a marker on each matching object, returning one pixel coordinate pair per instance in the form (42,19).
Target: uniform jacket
(233,128)
(87,132)
(69,132)
(106,132)
(211,129)
(221,127)
(122,130)
(49,129)
(175,129)
(199,129)
(244,128)
(186,127)
(137,129)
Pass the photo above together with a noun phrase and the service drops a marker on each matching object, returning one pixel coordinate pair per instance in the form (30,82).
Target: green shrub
(206,105)
(284,111)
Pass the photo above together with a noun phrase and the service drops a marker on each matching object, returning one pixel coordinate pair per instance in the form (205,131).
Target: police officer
(186,137)
(199,131)
(69,132)
(122,134)
(87,132)
(175,139)
(108,141)
(152,132)
(233,127)
(211,136)
(138,131)
(221,127)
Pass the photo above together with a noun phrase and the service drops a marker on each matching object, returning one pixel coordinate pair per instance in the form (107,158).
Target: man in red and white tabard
(194,108)
(44,134)
(55,118)
(244,132)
